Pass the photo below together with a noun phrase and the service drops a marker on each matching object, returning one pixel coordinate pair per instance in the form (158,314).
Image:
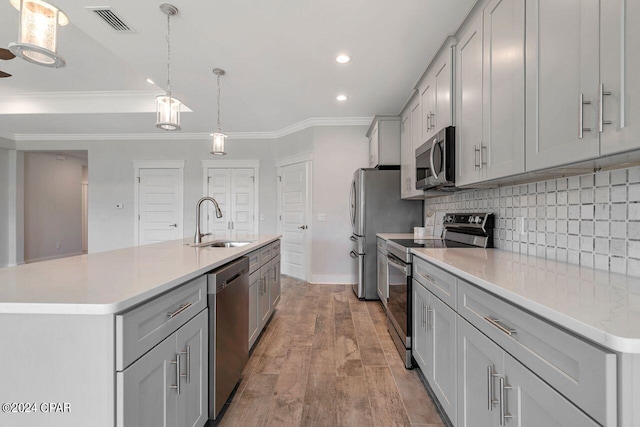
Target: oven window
(397,301)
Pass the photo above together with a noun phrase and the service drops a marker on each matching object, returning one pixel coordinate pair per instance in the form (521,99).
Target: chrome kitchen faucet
(198,237)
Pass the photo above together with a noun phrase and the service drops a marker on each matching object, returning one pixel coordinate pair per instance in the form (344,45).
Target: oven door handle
(433,150)
(400,266)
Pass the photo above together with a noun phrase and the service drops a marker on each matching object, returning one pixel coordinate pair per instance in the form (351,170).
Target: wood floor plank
(253,406)
(288,397)
(320,402)
(368,343)
(386,404)
(353,407)
(348,360)
(419,406)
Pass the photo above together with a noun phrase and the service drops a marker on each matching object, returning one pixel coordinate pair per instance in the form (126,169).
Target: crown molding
(7,135)
(181,136)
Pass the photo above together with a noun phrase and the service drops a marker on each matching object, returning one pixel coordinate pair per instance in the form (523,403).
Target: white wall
(111,181)
(52,206)
(337,153)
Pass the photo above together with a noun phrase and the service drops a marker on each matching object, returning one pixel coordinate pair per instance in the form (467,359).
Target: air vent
(108,15)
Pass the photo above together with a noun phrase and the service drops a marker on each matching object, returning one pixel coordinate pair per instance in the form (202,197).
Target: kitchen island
(63,325)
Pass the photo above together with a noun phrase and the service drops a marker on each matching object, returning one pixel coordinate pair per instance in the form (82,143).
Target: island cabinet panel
(264,287)
(274,286)
(61,358)
(140,329)
(584,373)
(168,385)
(254,291)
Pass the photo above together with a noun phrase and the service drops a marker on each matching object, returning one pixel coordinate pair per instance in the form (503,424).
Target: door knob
(303,227)
(173,225)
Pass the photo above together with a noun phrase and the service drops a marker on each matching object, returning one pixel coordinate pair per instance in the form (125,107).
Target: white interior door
(242,189)
(160,205)
(294,211)
(219,187)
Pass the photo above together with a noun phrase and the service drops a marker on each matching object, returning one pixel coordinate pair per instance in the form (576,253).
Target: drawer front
(265,254)
(439,282)
(254,260)
(585,374)
(141,329)
(275,248)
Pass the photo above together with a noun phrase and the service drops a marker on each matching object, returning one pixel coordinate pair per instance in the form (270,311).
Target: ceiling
(279,56)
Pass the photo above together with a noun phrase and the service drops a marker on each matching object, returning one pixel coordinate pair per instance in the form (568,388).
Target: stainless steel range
(460,231)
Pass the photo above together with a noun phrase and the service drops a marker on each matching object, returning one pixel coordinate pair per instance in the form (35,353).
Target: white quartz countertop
(390,236)
(601,306)
(113,281)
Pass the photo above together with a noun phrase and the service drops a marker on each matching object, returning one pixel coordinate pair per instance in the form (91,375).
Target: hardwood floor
(326,359)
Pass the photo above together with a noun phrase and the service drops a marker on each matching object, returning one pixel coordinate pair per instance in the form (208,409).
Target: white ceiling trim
(7,135)
(296,127)
(96,102)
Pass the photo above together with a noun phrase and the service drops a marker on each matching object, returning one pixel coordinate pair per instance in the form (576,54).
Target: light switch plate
(322,217)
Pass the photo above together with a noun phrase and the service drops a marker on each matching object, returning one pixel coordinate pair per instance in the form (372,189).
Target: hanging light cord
(169,55)
(219,125)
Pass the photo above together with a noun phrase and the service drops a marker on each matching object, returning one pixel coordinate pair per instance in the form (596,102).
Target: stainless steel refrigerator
(376,207)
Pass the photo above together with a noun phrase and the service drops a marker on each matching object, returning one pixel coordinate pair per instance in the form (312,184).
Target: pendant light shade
(219,137)
(38,33)
(167,107)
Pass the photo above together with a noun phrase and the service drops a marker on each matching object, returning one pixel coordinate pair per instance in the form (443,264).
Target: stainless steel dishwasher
(228,289)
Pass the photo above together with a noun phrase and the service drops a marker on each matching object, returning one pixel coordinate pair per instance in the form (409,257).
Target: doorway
(294,215)
(55,204)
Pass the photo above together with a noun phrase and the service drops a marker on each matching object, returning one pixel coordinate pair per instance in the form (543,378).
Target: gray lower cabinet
(434,344)
(264,287)
(497,390)
(167,386)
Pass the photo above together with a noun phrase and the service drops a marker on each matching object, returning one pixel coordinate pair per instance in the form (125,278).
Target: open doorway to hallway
(55,204)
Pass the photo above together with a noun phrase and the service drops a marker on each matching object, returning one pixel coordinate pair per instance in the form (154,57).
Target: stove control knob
(470,219)
(478,220)
(448,218)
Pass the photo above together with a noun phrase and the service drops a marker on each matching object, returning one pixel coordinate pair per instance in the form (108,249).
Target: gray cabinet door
(192,346)
(442,336)
(274,286)
(419,343)
(254,291)
(264,305)
(146,393)
(469,104)
(532,402)
(562,68)
(620,67)
(503,89)
(479,359)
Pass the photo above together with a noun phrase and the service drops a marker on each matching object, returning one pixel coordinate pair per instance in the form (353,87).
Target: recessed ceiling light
(343,59)
(341,98)
(151,82)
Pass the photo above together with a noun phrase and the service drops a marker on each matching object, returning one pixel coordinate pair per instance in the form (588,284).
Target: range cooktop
(431,243)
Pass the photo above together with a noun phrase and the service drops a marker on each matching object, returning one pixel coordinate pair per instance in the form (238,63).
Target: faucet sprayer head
(218,212)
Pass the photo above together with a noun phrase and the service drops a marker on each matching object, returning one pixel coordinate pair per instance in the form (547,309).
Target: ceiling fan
(6,55)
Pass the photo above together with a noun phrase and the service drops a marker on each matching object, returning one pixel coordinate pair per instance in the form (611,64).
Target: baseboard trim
(332,279)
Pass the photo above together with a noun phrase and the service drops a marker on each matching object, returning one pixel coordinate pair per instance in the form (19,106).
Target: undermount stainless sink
(221,244)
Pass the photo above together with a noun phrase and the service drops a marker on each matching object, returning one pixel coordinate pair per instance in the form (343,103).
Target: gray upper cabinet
(490,94)
(620,67)
(562,68)
(410,115)
(469,103)
(384,141)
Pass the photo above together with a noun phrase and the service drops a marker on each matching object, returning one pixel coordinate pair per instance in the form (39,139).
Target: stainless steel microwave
(435,161)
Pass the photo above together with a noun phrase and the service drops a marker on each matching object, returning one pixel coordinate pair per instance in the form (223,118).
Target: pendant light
(167,107)
(38,33)
(218,137)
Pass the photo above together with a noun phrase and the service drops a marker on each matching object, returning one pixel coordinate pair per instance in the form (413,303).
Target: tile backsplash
(592,220)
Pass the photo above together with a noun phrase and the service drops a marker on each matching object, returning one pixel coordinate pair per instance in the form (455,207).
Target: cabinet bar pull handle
(496,322)
(188,374)
(433,116)
(182,308)
(429,311)
(427,277)
(503,406)
(601,94)
(491,400)
(476,165)
(483,161)
(177,363)
(581,128)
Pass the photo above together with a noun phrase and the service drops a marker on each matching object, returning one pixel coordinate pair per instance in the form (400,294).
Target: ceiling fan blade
(6,54)
(3,74)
